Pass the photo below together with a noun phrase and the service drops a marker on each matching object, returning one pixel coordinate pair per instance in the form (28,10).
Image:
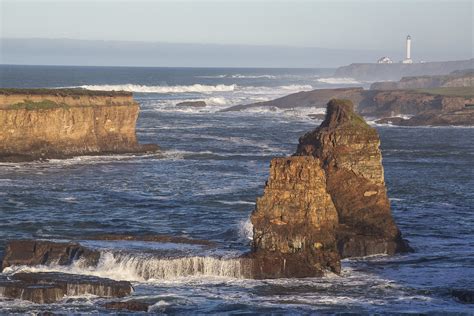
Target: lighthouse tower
(408,59)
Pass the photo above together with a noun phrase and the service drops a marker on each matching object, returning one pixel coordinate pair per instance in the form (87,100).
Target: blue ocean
(203,184)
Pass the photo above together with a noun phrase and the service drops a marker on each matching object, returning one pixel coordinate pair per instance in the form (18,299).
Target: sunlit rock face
(327,201)
(294,221)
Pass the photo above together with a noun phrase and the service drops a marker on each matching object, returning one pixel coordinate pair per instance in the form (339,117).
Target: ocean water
(203,184)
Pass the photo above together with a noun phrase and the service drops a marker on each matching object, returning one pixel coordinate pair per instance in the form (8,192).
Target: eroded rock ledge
(325,203)
(61,123)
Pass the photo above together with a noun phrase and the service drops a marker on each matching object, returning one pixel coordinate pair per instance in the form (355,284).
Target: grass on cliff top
(63,92)
(466,92)
(41,105)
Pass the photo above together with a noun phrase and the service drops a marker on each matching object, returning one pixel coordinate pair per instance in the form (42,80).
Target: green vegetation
(466,92)
(63,92)
(41,105)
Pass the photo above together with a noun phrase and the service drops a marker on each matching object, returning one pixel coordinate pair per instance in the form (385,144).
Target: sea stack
(326,202)
(60,123)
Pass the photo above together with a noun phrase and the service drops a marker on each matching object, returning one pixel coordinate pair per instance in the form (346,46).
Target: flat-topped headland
(60,123)
(395,71)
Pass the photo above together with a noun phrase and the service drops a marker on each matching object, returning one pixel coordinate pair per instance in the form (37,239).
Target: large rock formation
(294,222)
(326,202)
(59,123)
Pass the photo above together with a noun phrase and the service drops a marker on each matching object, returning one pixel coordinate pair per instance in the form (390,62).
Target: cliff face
(326,202)
(350,155)
(294,222)
(63,124)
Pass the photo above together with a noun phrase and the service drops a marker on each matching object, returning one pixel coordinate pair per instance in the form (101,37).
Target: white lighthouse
(408,59)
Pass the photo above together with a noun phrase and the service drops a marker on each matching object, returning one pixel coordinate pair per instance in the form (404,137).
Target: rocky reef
(437,106)
(60,123)
(327,202)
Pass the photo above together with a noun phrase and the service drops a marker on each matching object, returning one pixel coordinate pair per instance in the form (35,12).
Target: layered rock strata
(326,202)
(60,123)
(50,287)
(42,252)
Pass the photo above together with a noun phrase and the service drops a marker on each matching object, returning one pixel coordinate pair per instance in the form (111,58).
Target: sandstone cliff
(326,202)
(44,123)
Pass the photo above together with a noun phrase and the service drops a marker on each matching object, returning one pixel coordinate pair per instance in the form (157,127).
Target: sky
(441,30)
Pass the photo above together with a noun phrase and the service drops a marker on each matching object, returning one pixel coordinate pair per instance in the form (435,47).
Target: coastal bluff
(39,124)
(326,202)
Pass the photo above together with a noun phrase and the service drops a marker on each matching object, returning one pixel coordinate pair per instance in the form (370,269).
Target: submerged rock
(465,296)
(129,305)
(36,252)
(50,287)
(194,104)
(326,202)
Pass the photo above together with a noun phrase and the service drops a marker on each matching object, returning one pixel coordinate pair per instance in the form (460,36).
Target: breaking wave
(200,88)
(142,267)
(338,80)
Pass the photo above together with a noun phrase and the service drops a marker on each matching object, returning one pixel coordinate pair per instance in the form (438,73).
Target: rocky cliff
(44,123)
(326,202)
(373,71)
(455,79)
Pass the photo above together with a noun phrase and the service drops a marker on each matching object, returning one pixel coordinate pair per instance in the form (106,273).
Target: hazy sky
(441,27)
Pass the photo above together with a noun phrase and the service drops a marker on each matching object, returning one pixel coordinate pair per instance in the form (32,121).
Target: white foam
(200,88)
(142,267)
(246,229)
(239,76)
(338,80)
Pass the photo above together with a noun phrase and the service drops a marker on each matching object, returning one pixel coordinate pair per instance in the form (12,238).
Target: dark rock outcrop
(193,104)
(326,202)
(60,123)
(434,118)
(42,252)
(465,296)
(50,287)
(128,305)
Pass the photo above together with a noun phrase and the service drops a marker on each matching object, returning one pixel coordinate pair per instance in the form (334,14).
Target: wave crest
(200,88)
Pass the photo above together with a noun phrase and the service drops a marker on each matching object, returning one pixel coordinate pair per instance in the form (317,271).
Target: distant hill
(379,72)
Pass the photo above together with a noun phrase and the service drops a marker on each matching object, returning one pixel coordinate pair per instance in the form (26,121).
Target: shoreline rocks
(447,106)
(38,124)
(50,287)
(42,252)
(327,202)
